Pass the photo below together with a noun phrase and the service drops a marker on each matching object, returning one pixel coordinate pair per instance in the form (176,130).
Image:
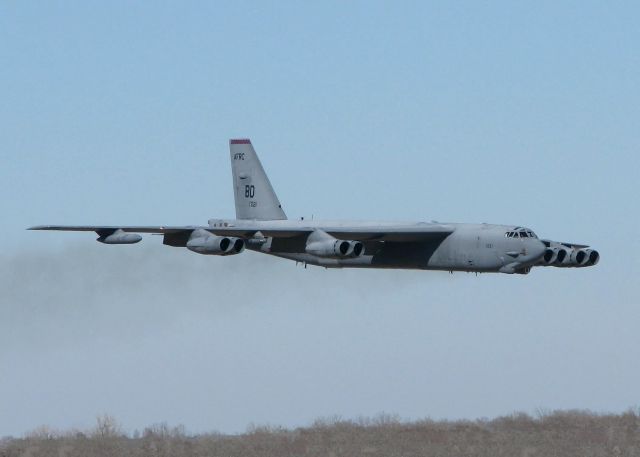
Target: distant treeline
(559,433)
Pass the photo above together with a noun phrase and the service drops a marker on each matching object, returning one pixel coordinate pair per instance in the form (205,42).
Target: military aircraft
(262,226)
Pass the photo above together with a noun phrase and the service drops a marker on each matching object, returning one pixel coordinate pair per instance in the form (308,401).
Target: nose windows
(516,235)
(520,233)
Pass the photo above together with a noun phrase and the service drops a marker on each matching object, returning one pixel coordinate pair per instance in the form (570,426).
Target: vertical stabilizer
(255,198)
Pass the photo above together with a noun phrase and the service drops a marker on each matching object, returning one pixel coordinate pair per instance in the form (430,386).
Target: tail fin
(255,198)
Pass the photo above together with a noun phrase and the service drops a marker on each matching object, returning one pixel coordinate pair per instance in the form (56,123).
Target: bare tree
(107,427)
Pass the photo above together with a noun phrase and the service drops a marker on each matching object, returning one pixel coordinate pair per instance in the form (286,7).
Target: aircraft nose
(536,249)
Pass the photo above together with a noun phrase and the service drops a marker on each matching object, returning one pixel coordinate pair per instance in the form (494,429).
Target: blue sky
(120,113)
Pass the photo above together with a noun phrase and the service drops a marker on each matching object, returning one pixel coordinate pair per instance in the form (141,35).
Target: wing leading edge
(106,228)
(397,234)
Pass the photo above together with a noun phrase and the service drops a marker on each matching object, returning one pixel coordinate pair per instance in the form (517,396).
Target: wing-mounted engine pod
(349,248)
(335,249)
(586,257)
(238,245)
(358,248)
(203,242)
(322,244)
(560,255)
(550,256)
(563,259)
(580,257)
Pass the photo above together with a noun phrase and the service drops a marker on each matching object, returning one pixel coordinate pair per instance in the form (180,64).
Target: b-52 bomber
(262,226)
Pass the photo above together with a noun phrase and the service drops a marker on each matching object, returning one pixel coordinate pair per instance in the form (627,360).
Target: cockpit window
(520,232)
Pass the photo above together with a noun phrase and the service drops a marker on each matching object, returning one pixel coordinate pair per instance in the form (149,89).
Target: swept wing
(247,230)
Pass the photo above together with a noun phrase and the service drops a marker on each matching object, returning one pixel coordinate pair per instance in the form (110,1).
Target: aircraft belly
(454,253)
(388,254)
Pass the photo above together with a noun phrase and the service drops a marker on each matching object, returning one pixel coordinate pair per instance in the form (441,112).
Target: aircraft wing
(568,245)
(575,246)
(110,228)
(360,233)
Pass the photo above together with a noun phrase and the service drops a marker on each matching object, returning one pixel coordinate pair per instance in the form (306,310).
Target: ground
(562,433)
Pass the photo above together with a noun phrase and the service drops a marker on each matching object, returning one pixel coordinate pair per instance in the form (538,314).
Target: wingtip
(240,141)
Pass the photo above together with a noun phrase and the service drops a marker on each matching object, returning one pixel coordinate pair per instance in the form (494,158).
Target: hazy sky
(120,113)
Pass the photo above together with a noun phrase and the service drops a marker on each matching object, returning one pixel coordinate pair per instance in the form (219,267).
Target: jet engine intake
(550,256)
(563,259)
(336,249)
(585,257)
(594,257)
(203,242)
(580,257)
(563,256)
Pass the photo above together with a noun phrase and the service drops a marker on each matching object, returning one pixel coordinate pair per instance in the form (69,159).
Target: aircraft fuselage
(469,247)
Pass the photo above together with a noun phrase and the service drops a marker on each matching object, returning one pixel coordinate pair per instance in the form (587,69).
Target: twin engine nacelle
(568,257)
(335,249)
(205,243)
